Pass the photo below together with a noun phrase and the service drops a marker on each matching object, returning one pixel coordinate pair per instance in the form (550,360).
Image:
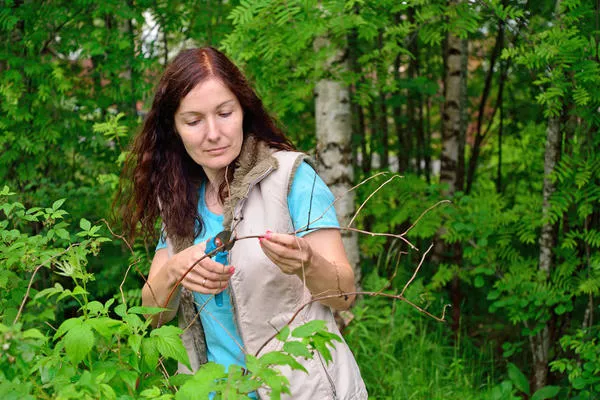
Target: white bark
(333,125)
(541,341)
(454,124)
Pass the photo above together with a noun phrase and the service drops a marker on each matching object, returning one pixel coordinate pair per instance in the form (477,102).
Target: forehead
(206,96)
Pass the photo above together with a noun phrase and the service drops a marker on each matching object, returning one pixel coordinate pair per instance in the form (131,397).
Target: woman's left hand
(292,254)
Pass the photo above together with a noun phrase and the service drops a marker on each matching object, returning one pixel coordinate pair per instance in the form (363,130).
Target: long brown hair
(160,178)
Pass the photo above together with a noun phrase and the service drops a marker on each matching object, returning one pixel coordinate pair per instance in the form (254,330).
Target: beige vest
(264,298)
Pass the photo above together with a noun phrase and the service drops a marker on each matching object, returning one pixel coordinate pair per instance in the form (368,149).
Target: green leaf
(321,346)
(33,334)
(279,358)
(63,234)
(547,392)
(84,224)
(78,342)
(94,307)
(56,205)
(169,344)
(202,383)
(50,291)
(150,393)
(121,310)
(297,349)
(106,327)
(309,328)
(135,342)
(283,334)
(146,310)
(66,326)
(150,353)
(517,377)
(479,281)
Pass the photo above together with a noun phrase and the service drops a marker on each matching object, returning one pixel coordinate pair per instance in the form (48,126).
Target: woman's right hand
(207,276)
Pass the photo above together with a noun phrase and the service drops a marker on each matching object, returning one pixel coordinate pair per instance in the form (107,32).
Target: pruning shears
(222,238)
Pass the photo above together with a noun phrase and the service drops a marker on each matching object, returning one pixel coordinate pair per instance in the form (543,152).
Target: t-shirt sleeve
(161,244)
(314,211)
(162,241)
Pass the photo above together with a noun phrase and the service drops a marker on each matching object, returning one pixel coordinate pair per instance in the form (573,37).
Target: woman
(209,158)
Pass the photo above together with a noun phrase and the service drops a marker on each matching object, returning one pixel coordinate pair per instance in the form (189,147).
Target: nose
(213,130)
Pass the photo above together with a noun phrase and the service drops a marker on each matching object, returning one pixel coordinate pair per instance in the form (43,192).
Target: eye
(193,123)
(225,114)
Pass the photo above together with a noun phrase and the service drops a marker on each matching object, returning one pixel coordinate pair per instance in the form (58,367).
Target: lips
(217,150)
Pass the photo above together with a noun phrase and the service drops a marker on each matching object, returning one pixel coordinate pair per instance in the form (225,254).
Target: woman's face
(209,120)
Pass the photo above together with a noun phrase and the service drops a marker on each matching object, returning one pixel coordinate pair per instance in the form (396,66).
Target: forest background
(491,104)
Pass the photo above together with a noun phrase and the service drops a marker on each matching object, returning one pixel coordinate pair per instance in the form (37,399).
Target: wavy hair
(160,179)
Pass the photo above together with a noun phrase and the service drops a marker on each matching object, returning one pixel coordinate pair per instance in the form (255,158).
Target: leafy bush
(106,351)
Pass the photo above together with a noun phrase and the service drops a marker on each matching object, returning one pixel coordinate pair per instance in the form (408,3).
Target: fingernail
(260,238)
(231,270)
(268,235)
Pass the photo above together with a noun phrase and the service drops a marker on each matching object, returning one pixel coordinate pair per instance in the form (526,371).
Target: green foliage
(402,353)
(76,78)
(583,370)
(109,351)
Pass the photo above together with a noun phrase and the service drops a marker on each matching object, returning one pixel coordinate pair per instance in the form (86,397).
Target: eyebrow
(185,113)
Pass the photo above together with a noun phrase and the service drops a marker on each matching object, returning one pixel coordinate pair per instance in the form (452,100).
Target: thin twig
(369,198)
(116,235)
(412,278)
(372,294)
(423,213)
(305,227)
(312,193)
(125,278)
(393,235)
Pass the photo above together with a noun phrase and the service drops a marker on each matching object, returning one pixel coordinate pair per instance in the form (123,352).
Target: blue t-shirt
(224,344)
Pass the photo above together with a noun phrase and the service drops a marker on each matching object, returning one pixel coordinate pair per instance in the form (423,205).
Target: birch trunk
(540,343)
(333,124)
(454,115)
(454,124)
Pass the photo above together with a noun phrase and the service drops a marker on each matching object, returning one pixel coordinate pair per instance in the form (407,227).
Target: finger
(286,254)
(283,239)
(281,250)
(287,265)
(214,267)
(200,280)
(207,288)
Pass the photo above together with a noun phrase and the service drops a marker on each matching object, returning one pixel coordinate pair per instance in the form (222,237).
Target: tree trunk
(479,136)
(402,149)
(454,123)
(334,139)
(133,76)
(540,343)
(416,101)
(374,160)
(383,125)
(500,106)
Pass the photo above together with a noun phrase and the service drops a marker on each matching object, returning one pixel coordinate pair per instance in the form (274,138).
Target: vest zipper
(238,207)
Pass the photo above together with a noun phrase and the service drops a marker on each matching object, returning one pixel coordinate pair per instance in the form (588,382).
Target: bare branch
(423,214)
(369,198)
(412,278)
